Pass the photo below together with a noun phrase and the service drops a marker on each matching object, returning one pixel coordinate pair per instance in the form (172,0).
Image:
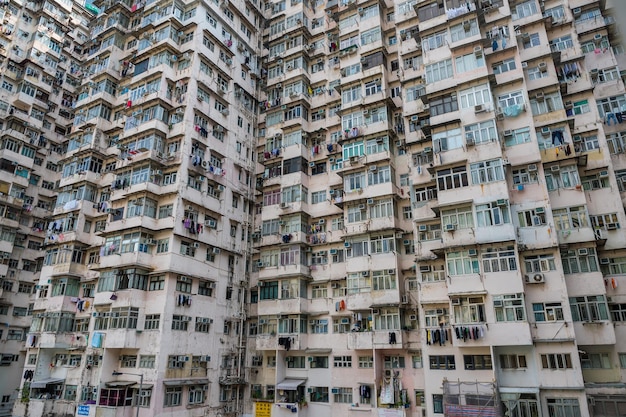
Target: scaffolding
(470,399)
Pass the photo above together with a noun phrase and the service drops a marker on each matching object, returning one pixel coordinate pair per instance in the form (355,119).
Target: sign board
(262,409)
(83,410)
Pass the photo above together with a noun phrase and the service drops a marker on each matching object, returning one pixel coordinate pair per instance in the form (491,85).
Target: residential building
(143,212)
(440,210)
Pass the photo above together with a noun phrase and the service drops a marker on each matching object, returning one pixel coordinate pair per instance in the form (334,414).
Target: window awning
(314,351)
(42,383)
(290,384)
(119,384)
(178,382)
(143,386)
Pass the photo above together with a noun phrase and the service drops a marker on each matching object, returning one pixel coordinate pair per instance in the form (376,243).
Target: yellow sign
(262,409)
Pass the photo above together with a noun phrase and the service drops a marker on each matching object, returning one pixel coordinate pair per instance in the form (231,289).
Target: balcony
(552,331)
(270,342)
(496,334)
(61,341)
(122,338)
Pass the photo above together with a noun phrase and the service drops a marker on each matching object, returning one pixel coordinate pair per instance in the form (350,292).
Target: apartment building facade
(440,210)
(37,45)
(143,214)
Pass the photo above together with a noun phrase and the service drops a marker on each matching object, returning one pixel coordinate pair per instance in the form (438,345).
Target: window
(460,217)
(548,312)
(387,319)
(525,9)
(539,263)
(442,362)
(556,361)
(443,141)
(512,361)
(393,362)
(487,171)
(570,218)
(319,326)
(531,41)
(470,62)
(492,214)
(451,178)
(342,395)
(366,361)
(443,104)
(462,263)
(438,403)
(509,307)
(147,361)
(504,66)
(499,259)
(469,310)
(417,360)
(481,132)
(579,260)
(477,362)
(439,71)
(563,407)
(318,394)
(180,322)
(589,308)
(173,396)
(196,394)
(296,362)
(342,361)
(595,360)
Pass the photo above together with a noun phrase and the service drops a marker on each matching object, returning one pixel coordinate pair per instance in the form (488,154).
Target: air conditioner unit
(211,223)
(478,51)
(361,207)
(612,226)
(279,85)
(334,285)
(422,228)
(469,140)
(450,227)
(472,252)
(603,174)
(467,25)
(597,38)
(346,244)
(284,205)
(532,168)
(524,64)
(312,164)
(539,96)
(479,108)
(577,11)
(543,67)
(555,168)
(498,303)
(540,210)
(455,301)
(501,202)
(375,311)
(333,251)
(537,278)
(545,131)
(605,261)
(365,273)
(217,251)
(583,251)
